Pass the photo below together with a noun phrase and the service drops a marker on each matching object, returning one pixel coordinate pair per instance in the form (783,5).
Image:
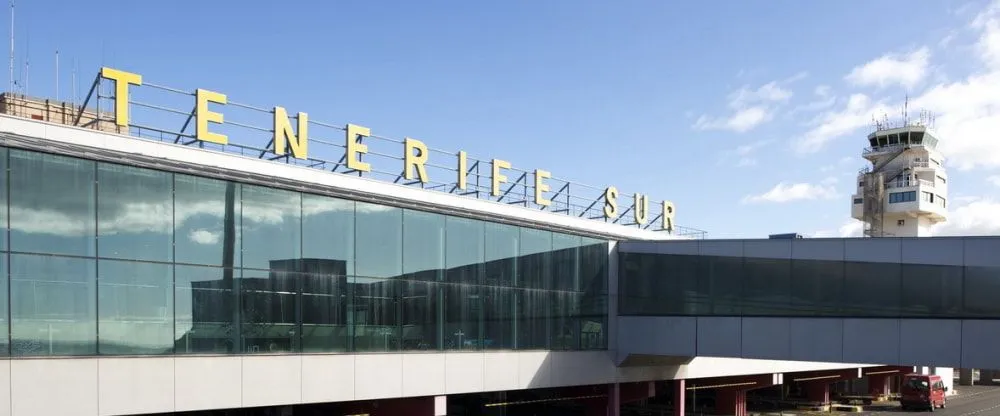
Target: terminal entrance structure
(147,272)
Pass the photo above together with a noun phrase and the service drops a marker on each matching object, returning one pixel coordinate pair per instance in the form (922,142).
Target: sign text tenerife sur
(295,143)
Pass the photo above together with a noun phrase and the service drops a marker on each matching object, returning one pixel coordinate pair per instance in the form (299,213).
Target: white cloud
(857,113)
(851,228)
(891,69)
(967,111)
(978,217)
(744,153)
(206,237)
(742,121)
(791,192)
(995,180)
(751,108)
(822,90)
(973,216)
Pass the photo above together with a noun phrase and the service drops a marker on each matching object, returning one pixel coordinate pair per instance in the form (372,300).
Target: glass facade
(105,259)
(667,284)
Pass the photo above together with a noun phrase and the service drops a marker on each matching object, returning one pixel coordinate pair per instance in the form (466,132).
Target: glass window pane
(534,266)
(532,318)
(594,300)
(136,305)
(817,287)
(566,261)
(379,241)
(766,286)
(981,287)
(53,305)
(871,289)
(204,310)
(3,198)
(420,316)
(931,290)
(498,317)
(328,233)
(564,324)
(135,213)
(501,254)
(423,246)
(52,216)
(206,215)
(271,226)
(269,310)
(4,310)
(374,313)
(637,285)
(463,317)
(725,275)
(324,311)
(465,256)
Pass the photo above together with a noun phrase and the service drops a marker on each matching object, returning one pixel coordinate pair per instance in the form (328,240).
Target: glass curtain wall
(666,284)
(105,259)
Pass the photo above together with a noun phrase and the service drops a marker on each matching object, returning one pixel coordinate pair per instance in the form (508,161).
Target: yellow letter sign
(122,80)
(283,134)
(204,115)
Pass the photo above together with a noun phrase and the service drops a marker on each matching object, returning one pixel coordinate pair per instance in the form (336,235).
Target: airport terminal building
(158,271)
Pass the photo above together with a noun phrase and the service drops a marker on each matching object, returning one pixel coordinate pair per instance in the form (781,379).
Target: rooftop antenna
(73,92)
(57,74)
(11,47)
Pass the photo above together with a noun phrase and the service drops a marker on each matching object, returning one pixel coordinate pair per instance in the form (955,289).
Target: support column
(679,396)
(878,385)
(818,391)
(965,377)
(731,402)
(985,377)
(614,400)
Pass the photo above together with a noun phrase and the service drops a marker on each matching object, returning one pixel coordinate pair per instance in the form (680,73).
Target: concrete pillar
(986,377)
(731,402)
(614,400)
(679,396)
(965,377)
(878,385)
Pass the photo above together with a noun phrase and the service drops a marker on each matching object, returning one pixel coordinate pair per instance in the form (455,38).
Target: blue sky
(708,104)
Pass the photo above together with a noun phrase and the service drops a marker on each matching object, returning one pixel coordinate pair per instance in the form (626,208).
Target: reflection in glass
(328,232)
(498,317)
(4,312)
(725,275)
(53,305)
(463,314)
(423,246)
(145,262)
(594,285)
(271,226)
(135,213)
(324,307)
(817,287)
(872,289)
(766,286)
(379,241)
(982,284)
(4,154)
(136,305)
(931,290)
(205,311)
(47,215)
(419,315)
(375,312)
(269,309)
(206,214)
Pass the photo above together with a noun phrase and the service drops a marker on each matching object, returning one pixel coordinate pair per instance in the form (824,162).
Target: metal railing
(152,106)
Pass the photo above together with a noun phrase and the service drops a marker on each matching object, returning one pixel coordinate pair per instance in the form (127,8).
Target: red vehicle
(922,392)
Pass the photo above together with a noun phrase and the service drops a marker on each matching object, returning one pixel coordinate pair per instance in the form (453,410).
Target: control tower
(904,191)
